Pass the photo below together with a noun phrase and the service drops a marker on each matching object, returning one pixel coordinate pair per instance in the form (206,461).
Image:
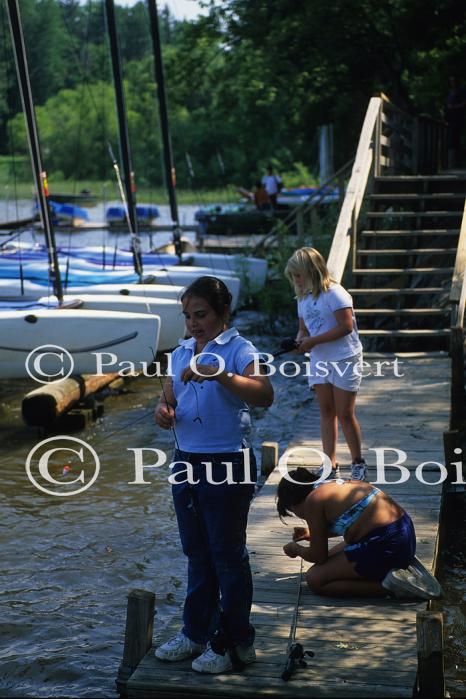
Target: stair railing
(366,162)
(458,304)
(392,142)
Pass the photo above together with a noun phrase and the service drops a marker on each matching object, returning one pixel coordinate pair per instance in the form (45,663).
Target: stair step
(405,333)
(420,231)
(407,251)
(407,270)
(432,290)
(414,214)
(402,311)
(413,196)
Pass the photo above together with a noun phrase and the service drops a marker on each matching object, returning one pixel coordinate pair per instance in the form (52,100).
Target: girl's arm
(302,330)
(317,551)
(253,389)
(344,318)
(165,409)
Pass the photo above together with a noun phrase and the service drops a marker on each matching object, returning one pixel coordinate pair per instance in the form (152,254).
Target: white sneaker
(179,647)
(414,582)
(214,663)
(359,471)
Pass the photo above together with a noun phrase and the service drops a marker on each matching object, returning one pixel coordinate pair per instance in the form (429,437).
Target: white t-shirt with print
(318,316)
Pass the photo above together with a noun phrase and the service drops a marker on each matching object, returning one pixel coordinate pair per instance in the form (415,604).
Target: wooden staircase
(404,259)
(400,242)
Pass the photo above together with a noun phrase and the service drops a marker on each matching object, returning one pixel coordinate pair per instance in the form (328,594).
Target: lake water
(68,563)
(10,211)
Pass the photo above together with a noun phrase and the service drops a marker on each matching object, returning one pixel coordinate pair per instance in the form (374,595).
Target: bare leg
(328,421)
(345,402)
(337,578)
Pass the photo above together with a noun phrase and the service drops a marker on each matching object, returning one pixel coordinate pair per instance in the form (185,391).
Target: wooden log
(431,677)
(138,634)
(269,457)
(44,405)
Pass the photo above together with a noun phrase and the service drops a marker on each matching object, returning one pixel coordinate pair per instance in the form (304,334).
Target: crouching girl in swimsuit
(378,534)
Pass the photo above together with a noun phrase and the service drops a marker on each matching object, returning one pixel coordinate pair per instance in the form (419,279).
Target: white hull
(175,278)
(131,337)
(251,270)
(172,324)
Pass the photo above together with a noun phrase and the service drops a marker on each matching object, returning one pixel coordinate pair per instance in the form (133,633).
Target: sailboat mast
(170,176)
(40,178)
(125,150)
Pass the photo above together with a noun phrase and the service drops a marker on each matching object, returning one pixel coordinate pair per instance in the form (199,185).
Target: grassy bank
(16,182)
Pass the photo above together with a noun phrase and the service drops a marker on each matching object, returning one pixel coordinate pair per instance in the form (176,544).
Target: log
(138,634)
(44,405)
(430,672)
(269,457)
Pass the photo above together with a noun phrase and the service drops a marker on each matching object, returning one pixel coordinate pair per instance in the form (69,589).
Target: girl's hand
(304,345)
(291,549)
(165,416)
(204,372)
(301,534)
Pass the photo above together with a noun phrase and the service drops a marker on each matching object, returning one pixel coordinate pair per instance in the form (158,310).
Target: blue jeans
(212,522)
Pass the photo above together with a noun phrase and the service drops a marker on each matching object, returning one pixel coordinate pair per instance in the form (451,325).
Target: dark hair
(291,493)
(213,290)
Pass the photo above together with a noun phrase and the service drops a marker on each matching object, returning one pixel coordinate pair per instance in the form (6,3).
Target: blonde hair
(309,263)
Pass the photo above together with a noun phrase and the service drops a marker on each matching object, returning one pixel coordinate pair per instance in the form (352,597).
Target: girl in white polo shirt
(328,330)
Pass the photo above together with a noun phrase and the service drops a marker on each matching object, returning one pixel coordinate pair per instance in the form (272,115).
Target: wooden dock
(363,647)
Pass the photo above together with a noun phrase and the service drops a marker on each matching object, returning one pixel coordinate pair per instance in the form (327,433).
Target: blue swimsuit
(343,522)
(382,549)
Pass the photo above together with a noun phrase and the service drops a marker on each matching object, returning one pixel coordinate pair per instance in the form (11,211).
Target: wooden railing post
(138,634)
(457,376)
(430,670)
(269,457)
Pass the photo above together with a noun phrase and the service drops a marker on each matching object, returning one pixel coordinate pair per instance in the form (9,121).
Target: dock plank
(363,647)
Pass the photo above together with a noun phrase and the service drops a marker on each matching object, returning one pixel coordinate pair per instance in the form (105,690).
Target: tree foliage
(246,84)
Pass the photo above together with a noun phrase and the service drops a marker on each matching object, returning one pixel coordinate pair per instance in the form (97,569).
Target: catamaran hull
(85,335)
(172,324)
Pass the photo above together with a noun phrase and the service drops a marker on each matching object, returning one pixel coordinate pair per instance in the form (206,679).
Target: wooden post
(269,457)
(457,375)
(430,671)
(451,441)
(138,634)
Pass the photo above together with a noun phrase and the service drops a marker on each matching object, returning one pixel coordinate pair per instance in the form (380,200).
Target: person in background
(261,198)
(327,329)
(273,185)
(207,406)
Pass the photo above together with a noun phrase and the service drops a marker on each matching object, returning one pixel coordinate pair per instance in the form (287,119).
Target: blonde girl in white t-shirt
(328,330)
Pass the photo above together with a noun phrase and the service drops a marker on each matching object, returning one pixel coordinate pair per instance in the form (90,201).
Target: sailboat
(130,336)
(85,274)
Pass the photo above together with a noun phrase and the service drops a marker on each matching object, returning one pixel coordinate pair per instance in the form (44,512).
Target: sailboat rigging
(130,199)
(170,173)
(40,177)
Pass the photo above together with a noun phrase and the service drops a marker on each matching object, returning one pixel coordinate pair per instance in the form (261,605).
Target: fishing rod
(295,650)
